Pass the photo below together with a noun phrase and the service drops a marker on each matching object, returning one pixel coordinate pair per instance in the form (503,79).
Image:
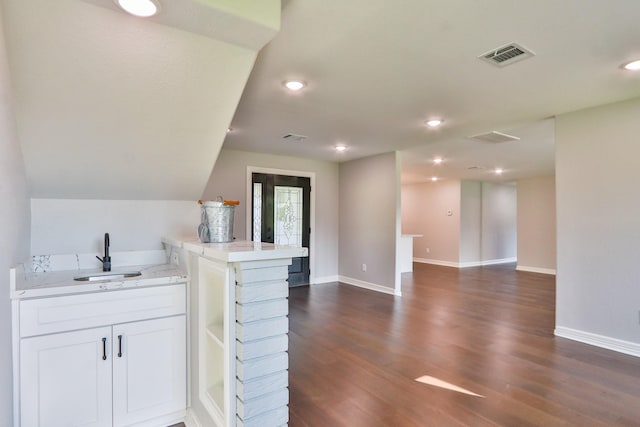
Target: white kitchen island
(238,331)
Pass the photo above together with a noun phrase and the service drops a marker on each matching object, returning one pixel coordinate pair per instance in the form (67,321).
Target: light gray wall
(229,179)
(369,219)
(424,211)
(499,221)
(470,221)
(598,229)
(537,223)
(14,225)
(60,226)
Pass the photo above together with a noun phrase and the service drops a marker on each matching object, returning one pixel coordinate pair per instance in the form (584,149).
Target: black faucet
(106,259)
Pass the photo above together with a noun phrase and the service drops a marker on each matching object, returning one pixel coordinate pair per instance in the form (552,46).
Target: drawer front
(65,313)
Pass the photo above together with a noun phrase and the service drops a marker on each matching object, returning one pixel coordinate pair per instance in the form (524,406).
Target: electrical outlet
(364,267)
(428,250)
(449,212)
(175,259)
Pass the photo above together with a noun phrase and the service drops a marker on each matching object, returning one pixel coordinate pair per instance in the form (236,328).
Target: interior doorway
(281,213)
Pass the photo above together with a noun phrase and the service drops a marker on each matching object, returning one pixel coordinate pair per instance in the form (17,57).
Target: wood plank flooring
(355,355)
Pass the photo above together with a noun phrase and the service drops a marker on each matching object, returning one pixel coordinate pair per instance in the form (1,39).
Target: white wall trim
(436,262)
(551,271)
(465,264)
(312,237)
(487,262)
(621,346)
(367,285)
(325,279)
(190,420)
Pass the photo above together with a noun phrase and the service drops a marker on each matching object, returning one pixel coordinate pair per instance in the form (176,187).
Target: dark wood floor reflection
(355,355)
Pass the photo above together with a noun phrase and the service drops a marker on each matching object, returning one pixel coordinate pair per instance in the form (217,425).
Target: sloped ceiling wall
(111,106)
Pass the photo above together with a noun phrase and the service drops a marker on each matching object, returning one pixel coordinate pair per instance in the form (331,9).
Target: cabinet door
(65,379)
(149,369)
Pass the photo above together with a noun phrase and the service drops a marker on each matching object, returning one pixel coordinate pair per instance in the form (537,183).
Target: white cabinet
(64,380)
(116,374)
(149,369)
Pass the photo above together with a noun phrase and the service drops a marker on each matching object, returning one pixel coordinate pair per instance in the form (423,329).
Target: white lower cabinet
(65,381)
(149,369)
(121,374)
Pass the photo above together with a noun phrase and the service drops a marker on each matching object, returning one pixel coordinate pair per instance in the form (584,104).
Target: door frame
(312,207)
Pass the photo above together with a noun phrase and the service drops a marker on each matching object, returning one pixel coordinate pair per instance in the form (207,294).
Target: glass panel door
(287,216)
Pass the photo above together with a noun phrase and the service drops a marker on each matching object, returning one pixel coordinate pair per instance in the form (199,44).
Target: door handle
(104,349)
(119,345)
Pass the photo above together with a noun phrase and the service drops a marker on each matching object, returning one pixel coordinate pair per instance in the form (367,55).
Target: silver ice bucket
(216,222)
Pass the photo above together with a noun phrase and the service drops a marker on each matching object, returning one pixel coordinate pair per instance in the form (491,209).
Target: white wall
(499,222)
(470,221)
(424,211)
(537,224)
(369,221)
(598,228)
(14,225)
(60,226)
(481,228)
(229,179)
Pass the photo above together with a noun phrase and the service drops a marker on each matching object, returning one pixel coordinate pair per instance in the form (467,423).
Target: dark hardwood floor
(355,355)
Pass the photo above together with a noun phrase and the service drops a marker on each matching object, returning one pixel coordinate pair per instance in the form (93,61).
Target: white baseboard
(436,262)
(626,347)
(191,420)
(325,279)
(536,269)
(367,285)
(465,264)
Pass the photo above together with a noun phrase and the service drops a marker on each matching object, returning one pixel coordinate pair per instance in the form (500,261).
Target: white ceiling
(377,69)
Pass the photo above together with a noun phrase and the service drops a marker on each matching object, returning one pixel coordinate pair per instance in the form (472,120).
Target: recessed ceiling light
(340,148)
(141,8)
(434,123)
(434,178)
(499,171)
(437,160)
(294,85)
(632,66)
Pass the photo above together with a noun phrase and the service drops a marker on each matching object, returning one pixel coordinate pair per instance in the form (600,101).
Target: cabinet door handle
(119,345)
(104,349)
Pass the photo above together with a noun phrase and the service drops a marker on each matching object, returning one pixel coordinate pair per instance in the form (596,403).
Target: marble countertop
(238,251)
(29,284)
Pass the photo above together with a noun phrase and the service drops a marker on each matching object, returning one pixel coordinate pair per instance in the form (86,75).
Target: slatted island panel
(239,331)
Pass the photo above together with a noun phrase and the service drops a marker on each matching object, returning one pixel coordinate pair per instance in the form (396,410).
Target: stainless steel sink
(107,275)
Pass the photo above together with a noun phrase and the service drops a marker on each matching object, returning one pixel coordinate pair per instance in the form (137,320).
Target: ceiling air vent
(506,55)
(494,136)
(294,137)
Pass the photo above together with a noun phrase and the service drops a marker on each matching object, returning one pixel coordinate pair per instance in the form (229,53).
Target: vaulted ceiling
(110,106)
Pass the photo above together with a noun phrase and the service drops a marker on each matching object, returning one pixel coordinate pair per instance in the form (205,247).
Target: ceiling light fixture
(434,123)
(499,171)
(632,66)
(437,160)
(294,85)
(340,148)
(141,8)
(434,178)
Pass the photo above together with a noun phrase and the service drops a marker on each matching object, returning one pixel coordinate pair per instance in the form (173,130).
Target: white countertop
(27,284)
(238,251)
